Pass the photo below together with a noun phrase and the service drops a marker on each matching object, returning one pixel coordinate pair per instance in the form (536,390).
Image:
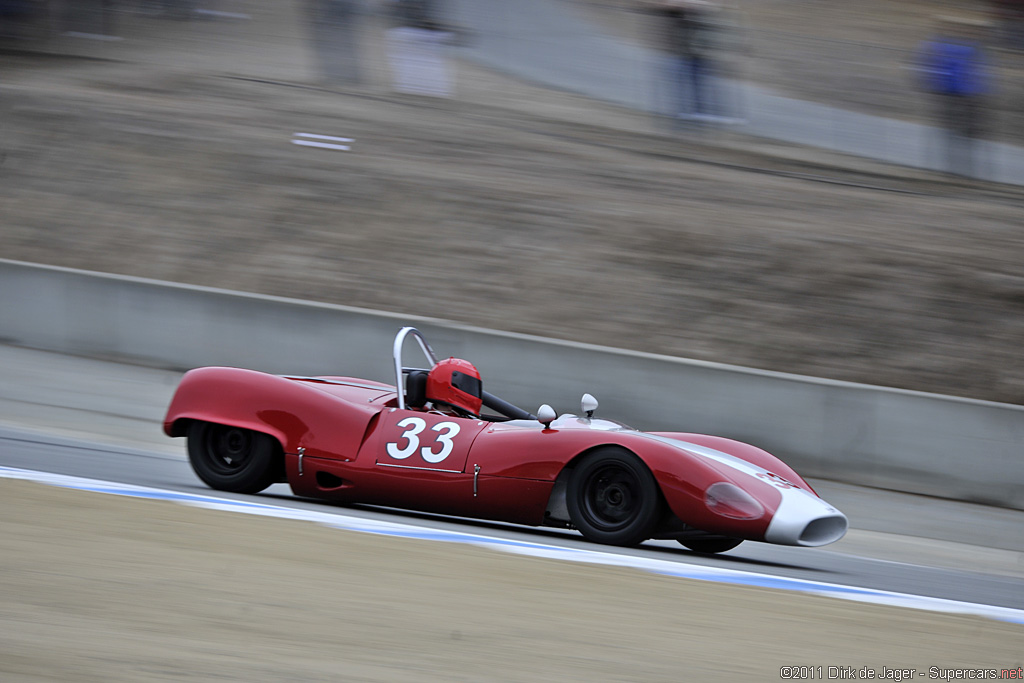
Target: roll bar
(397,351)
(490,400)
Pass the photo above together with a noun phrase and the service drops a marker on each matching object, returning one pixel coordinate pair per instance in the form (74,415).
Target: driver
(455,382)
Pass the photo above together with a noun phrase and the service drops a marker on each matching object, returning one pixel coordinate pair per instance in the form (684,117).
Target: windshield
(569,421)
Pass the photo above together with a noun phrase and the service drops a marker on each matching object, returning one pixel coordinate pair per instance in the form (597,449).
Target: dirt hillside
(167,155)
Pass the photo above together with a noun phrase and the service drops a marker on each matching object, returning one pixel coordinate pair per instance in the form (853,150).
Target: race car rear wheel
(710,546)
(231,458)
(613,498)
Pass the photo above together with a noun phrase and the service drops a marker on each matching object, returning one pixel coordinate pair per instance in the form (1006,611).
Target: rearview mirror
(589,405)
(546,415)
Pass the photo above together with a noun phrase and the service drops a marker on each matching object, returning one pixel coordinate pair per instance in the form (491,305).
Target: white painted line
(313,137)
(317,136)
(222,15)
(91,36)
(656,566)
(324,145)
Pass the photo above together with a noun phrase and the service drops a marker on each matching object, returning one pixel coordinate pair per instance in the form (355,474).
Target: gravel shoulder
(105,589)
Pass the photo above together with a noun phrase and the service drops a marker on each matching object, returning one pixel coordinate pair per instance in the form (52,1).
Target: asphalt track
(28,450)
(100,420)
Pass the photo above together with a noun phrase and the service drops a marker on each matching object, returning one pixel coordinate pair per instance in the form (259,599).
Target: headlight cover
(731,501)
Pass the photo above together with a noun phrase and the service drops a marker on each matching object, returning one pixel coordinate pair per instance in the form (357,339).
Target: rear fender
(295,414)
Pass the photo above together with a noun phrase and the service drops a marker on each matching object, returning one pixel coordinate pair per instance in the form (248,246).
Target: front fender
(752,454)
(793,514)
(684,476)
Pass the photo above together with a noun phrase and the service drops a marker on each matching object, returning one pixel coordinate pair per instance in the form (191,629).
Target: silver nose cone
(804,519)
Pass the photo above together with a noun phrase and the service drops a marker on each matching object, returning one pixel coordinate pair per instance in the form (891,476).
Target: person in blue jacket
(954,71)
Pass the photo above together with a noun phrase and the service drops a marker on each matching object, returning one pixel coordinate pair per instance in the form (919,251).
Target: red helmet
(456,382)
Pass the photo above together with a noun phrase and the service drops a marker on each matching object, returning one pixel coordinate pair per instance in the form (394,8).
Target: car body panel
(352,440)
(328,423)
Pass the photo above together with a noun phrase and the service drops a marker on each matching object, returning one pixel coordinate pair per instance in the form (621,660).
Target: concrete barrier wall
(908,441)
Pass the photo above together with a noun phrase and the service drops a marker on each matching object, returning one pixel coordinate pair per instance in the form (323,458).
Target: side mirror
(589,405)
(546,415)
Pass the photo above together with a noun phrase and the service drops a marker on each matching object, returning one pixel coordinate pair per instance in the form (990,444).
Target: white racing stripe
(664,567)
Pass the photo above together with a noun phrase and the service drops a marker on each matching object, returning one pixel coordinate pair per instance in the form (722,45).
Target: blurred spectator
(1009,16)
(334,25)
(953,69)
(416,44)
(689,38)
(178,9)
(14,16)
(37,19)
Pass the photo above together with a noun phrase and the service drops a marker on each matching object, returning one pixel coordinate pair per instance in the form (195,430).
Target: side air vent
(326,480)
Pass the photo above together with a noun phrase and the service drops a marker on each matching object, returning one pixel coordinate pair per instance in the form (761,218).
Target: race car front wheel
(613,498)
(231,458)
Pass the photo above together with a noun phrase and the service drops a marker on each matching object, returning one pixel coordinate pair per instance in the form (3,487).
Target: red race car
(437,442)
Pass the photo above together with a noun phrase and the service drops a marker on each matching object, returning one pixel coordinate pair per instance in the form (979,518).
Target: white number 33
(413,426)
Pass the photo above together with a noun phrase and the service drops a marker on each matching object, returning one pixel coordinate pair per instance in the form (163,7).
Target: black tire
(231,458)
(710,546)
(613,498)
